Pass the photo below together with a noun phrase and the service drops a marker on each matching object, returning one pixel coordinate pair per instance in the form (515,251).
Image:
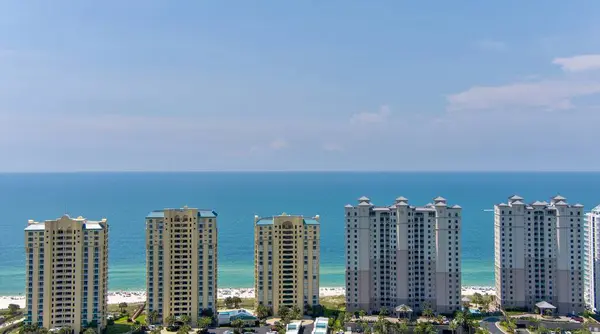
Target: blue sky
(299,85)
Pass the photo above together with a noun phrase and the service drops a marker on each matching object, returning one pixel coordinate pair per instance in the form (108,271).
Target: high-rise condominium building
(286,261)
(67,273)
(538,254)
(592,259)
(181,262)
(403,255)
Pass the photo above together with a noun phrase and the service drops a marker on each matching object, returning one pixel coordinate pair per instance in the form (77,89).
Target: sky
(299,85)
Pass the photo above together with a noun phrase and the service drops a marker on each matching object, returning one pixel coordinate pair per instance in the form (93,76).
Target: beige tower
(181,262)
(538,254)
(67,273)
(286,261)
(403,254)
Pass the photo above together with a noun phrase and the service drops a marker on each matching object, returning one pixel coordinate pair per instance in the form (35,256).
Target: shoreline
(139,296)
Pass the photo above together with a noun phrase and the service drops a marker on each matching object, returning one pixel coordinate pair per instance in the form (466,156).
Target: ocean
(125,199)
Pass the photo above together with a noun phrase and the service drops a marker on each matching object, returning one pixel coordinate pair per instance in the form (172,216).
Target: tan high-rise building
(403,254)
(538,254)
(181,262)
(286,261)
(67,273)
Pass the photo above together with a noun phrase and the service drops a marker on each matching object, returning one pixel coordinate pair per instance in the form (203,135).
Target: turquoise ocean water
(126,198)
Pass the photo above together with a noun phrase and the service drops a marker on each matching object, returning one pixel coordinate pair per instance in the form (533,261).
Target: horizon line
(293,171)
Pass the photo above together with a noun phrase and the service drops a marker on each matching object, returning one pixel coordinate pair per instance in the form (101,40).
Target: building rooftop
(269,220)
(517,202)
(516,198)
(364,198)
(439,199)
(202,213)
(401,198)
(87,224)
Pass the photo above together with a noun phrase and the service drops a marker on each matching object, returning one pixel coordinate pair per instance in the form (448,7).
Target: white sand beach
(116,297)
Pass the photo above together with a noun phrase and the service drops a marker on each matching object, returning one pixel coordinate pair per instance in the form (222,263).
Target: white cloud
(542,94)
(372,117)
(579,63)
(492,45)
(278,144)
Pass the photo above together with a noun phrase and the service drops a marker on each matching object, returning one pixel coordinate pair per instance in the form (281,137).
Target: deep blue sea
(126,198)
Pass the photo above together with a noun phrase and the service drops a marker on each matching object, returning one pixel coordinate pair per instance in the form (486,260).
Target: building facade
(592,259)
(67,273)
(181,262)
(538,254)
(286,261)
(403,255)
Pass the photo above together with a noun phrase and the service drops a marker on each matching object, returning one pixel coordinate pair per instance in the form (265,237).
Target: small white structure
(321,326)
(293,327)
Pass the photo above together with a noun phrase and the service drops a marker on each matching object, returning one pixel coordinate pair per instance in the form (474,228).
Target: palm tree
(204,322)
(237,301)
(237,324)
(262,311)
(453,326)
(123,307)
(170,320)
(295,313)
(361,314)
(152,317)
(65,330)
(185,319)
(228,302)
(428,312)
(402,327)
(185,329)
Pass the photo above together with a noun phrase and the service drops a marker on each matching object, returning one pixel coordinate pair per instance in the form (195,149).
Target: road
(490,324)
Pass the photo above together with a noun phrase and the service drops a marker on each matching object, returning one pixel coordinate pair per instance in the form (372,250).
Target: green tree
(185,329)
(428,312)
(170,320)
(65,330)
(262,312)
(156,331)
(89,331)
(123,307)
(152,317)
(384,311)
(283,312)
(453,326)
(136,329)
(228,302)
(13,308)
(237,324)
(295,313)
(204,322)
(237,301)
(361,314)
(425,328)
(185,319)
(402,327)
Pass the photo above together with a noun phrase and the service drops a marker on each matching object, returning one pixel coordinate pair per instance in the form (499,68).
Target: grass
(141,319)
(120,326)
(247,303)
(514,313)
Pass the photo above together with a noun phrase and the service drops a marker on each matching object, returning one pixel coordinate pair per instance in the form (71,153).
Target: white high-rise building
(402,254)
(538,254)
(592,259)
